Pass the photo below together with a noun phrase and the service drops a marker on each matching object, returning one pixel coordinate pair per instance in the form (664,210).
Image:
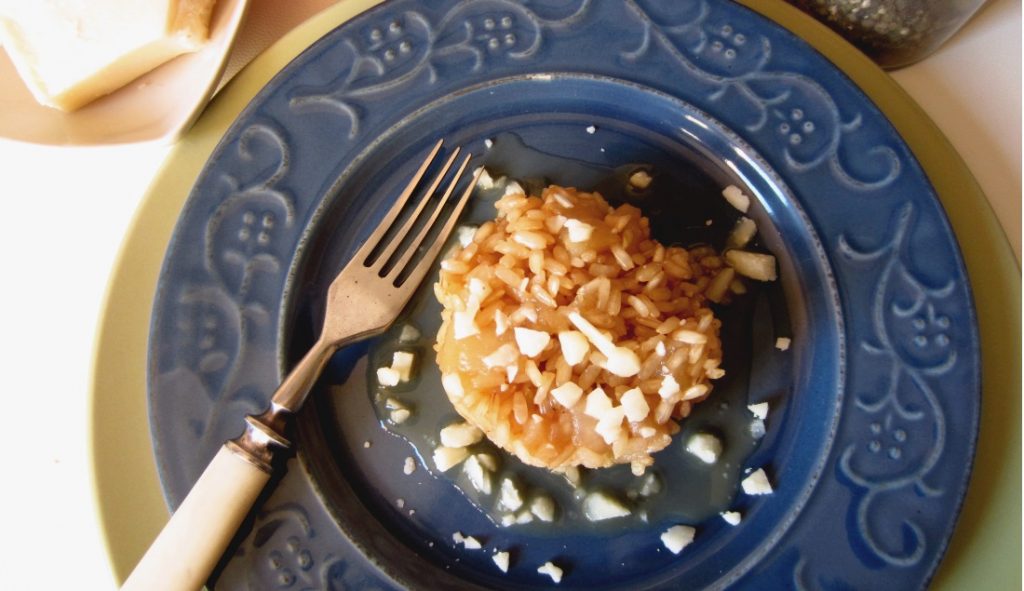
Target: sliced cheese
(71,52)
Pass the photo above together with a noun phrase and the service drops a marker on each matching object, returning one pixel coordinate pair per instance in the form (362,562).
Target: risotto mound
(570,337)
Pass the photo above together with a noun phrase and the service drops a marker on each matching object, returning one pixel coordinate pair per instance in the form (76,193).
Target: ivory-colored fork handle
(192,542)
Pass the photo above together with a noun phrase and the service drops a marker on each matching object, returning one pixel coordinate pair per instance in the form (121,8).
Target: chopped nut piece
(578,231)
(677,537)
(460,435)
(503,356)
(410,466)
(402,362)
(635,405)
(705,446)
(464,234)
(445,458)
(640,179)
(598,506)
(568,394)
(782,343)
(598,404)
(669,387)
(548,568)
(464,324)
(400,415)
(452,385)
(511,498)
(574,346)
(485,180)
(501,322)
(736,198)
(501,560)
(742,233)
(543,507)
(479,477)
(388,377)
(514,188)
(609,426)
(757,483)
(752,264)
(759,410)
(732,517)
(623,362)
(531,342)
(471,543)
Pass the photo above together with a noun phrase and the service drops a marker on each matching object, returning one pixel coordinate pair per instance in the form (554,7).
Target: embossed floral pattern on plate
(888,492)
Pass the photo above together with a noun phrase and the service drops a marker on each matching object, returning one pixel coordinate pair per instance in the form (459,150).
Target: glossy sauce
(679,487)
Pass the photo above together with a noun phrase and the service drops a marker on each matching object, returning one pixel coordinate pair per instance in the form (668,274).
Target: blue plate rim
(163,282)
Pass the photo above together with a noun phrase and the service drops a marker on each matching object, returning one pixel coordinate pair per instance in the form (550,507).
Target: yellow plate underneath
(987,543)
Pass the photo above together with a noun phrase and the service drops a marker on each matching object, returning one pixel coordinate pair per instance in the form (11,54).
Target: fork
(363,300)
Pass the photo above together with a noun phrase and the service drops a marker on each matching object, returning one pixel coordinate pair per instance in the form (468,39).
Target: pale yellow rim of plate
(128,497)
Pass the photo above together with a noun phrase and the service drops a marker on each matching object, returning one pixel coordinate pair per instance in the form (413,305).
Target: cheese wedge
(71,52)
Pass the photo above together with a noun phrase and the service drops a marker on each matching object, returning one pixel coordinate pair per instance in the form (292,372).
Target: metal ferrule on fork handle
(257,444)
(265,432)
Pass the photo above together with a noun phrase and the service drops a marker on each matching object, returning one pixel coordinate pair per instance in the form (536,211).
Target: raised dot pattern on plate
(893,481)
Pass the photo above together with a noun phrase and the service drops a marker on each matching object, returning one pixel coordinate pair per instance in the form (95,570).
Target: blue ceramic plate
(875,407)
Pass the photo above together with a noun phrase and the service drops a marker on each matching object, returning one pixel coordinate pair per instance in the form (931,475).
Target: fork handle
(192,542)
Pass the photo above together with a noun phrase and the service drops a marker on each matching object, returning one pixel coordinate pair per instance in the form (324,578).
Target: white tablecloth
(66,211)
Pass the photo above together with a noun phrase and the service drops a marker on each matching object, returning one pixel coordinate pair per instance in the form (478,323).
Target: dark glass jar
(895,33)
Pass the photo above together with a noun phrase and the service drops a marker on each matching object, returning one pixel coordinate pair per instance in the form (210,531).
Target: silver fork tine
(425,263)
(407,226)
(396,270)
(389,218)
